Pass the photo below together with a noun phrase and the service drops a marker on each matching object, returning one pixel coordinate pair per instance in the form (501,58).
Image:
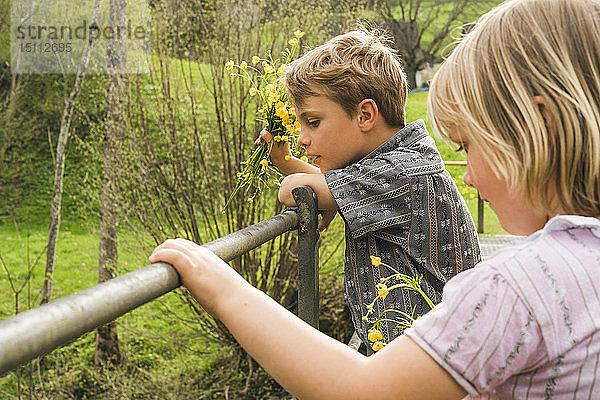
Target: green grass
(158,346)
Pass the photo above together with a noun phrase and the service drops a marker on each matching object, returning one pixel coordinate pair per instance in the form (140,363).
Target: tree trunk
(59,168)
(107,350)
(411,77)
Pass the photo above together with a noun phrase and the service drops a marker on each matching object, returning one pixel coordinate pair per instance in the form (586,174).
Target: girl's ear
(368,113)
(549,119)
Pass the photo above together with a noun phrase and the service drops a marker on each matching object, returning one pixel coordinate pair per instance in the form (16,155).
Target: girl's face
(514,214)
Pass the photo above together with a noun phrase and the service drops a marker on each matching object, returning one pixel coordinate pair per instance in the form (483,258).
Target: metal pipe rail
(38,331)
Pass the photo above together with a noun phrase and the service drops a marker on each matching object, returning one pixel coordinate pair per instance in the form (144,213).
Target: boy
(386,179)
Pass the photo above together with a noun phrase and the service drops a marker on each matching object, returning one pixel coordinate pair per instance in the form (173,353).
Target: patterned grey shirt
(400,204)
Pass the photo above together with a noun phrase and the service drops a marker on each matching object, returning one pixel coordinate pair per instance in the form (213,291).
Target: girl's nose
(468,177)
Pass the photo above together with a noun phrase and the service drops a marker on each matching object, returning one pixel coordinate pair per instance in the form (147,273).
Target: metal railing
(38,331)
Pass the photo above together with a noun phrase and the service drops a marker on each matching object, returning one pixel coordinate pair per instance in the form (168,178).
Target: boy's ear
(368,114)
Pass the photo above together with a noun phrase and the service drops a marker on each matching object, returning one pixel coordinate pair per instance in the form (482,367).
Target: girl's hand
(279,149)
(208,278)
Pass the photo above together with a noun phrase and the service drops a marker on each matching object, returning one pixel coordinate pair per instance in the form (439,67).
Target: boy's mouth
(314,157)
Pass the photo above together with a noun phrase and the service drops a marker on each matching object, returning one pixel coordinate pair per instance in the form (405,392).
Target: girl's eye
(313,123)
(462,147)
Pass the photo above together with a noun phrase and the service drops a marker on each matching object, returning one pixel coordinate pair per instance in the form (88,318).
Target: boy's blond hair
(485,92)
(349,68)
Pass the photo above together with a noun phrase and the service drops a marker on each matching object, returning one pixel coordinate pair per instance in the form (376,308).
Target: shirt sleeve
(482,332)
(372,195)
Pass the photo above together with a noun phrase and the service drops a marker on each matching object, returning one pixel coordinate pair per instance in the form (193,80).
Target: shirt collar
(564,222)
(405,137)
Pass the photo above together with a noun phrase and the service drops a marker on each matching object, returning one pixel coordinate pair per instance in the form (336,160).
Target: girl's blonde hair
(349,68)
(486,91)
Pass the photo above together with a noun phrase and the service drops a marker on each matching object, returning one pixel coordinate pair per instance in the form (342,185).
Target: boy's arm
(316,181)
(326,202)
(306,362)
(282,158)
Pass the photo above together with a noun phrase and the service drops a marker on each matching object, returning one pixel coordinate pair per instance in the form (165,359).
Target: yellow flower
(278,138)
(264,163)
(229,65)
(281,70)
(255,59)
(378,346)
(375,335)
(269,69)
(293,42)
(280,112)
(253,91)
(382,290)
(287,157)
(298,33)
(292,111)
(375,261)
(243,65)
(304,158)
(250,200)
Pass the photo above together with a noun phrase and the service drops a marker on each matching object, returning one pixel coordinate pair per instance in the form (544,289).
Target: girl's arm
(306,362)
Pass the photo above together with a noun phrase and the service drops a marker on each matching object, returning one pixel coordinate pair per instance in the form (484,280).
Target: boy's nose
(303,139)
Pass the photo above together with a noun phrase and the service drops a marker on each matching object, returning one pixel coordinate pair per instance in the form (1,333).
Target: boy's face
(329,134)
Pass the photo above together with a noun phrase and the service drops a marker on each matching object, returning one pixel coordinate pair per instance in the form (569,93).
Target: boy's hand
(279,152)
(279,149)
(326,217)
(208,278)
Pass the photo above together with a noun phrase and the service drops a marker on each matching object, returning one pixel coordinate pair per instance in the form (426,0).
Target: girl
(520,94)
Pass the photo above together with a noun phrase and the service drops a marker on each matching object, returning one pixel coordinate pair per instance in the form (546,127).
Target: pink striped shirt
(524,324)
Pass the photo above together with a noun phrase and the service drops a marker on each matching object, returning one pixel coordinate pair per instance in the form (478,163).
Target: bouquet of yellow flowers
(275,111)
(402,319)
